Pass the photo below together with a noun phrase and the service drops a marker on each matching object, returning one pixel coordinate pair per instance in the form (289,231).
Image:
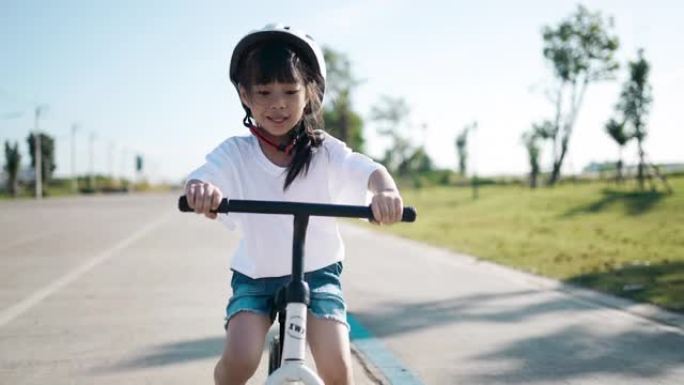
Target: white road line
(14,311)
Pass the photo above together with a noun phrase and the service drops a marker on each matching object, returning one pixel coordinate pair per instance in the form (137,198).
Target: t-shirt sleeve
(349,173)
(219,170)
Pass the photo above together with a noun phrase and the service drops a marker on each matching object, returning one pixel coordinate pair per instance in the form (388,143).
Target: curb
(379,362)
(373,373)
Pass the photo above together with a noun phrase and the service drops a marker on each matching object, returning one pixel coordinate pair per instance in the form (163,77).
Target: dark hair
(277,62)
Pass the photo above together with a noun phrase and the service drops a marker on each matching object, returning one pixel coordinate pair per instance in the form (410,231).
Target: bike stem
(301,222)
(293,333)
(297,289)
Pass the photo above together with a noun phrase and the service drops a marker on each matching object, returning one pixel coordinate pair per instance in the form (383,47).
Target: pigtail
(309,135)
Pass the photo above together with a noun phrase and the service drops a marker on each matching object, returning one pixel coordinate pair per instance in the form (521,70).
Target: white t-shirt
(240,169)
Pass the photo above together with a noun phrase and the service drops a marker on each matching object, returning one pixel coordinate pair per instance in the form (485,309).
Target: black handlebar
(296,208)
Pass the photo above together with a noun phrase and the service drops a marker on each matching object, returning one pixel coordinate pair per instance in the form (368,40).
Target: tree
(461,147)
(391,114)
(530,140)
(47,153)
(340,119)
(581,51)
(634,105)
(616,131)
(12,162)
(344,123)
(417,162)
(402,156)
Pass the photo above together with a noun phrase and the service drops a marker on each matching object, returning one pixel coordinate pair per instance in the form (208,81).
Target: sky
(151,77)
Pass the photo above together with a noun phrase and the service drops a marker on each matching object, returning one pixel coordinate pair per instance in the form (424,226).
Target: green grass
(596,235)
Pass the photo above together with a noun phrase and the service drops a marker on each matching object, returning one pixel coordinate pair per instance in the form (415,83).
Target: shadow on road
(401,317)
(171,354)
(176,353)
(571,352)
(576,352)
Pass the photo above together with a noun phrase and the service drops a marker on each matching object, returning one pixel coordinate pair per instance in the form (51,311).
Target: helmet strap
(287,148)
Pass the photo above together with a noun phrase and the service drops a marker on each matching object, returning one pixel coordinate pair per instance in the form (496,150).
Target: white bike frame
(292,367)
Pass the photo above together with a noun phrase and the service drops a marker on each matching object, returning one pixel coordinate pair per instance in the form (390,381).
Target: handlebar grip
(409,214)
(183,206)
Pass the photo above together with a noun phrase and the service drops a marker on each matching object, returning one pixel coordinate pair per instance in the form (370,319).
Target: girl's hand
(203,197)
(387,207)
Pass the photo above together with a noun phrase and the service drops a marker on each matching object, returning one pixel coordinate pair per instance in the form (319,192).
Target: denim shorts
(256,295)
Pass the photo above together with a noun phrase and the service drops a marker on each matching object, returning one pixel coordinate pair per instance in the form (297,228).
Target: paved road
(112,290)
(123,289)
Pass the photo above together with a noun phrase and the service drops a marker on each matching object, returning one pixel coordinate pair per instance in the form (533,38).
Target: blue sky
(150,77)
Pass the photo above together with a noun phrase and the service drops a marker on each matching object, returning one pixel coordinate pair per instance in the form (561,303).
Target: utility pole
(124,171)
(37,154)
(110,160)
(91,173)
(475,182)
(74,177)
(124,165)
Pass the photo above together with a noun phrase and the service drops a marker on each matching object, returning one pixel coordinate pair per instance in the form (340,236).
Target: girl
(279,74)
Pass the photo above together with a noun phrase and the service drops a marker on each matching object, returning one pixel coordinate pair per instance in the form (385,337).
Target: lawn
(597,234)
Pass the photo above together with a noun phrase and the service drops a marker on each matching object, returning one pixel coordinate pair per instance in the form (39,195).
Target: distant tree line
(580,49)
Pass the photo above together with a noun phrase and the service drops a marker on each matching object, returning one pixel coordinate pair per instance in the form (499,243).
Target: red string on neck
(286,148)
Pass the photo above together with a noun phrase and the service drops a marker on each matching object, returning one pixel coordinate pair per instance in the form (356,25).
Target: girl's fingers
(207,200)
(377,214)
(199,194)
(197,198)
(203,198)
(190,195)
(390,210)
(398,210)
(216,200)
(386,212)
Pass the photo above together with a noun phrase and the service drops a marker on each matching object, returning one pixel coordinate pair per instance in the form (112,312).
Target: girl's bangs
(274,63)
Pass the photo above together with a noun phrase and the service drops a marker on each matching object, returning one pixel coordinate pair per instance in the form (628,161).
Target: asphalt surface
(125,290)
